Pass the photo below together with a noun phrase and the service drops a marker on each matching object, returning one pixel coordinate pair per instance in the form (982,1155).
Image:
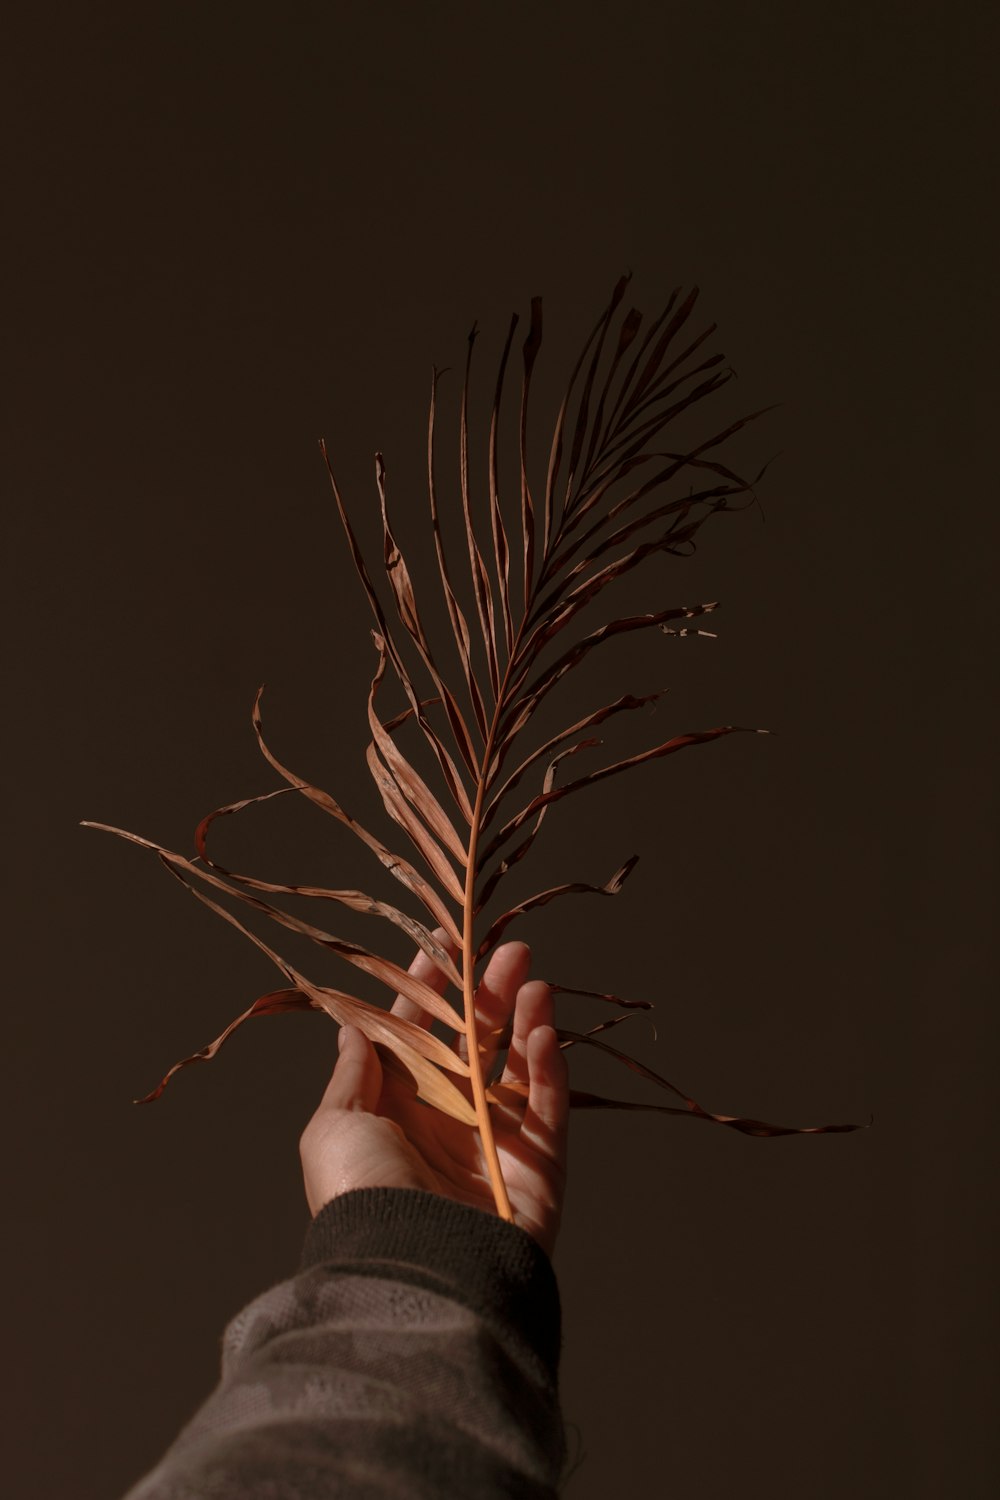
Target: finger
(496,997)
(544,1125)
(533,1009)
(357,1077)
(426,969)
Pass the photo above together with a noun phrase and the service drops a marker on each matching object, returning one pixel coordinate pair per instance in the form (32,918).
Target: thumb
(357,1077)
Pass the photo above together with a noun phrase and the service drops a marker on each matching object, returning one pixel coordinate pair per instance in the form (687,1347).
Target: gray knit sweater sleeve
(414,1355)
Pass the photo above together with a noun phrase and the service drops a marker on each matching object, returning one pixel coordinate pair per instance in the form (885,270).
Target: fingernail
(342,1037)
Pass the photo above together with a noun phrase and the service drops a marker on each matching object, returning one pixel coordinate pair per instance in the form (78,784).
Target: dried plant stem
(485,1125)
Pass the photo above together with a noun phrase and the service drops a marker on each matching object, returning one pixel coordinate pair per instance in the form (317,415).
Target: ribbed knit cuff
(480,1260)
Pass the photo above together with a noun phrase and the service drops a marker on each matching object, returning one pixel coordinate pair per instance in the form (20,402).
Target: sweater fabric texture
(415,1354)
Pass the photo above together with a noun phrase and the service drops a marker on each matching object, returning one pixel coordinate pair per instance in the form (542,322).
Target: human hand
(371,1130)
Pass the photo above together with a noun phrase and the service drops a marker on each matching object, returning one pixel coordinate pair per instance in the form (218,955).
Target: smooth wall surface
(234,230)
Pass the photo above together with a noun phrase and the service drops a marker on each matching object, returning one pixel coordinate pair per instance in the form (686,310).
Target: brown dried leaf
(267,1005)
(520,712)
(571,603)
(402,813)
(448,768)
(406,607)
(459,625)
(398,867)
(626,702)
(530,353)
(735,1122)
(555,455)
(415,1047)
(625,466)
(713,499)
(637,390)
(355,900)
(382,969)
(583,410)
(610,426)
(382,1028)
(567,989)
(581,1100)
(501,546)
(515,856)
(554,794)
(480,578)
(407,799)
(409,781)
(631,324)
(542,898)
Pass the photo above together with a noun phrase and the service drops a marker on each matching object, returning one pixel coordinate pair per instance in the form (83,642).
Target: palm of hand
(372,1131)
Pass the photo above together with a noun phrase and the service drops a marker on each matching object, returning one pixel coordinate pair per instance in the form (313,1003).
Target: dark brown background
(232,230)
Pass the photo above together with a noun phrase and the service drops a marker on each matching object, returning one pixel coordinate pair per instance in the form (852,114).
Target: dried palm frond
(586,529)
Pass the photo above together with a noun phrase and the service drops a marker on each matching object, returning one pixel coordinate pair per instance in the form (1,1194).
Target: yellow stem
(468,968)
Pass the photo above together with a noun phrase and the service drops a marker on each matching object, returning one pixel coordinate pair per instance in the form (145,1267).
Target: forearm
(414,1354)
